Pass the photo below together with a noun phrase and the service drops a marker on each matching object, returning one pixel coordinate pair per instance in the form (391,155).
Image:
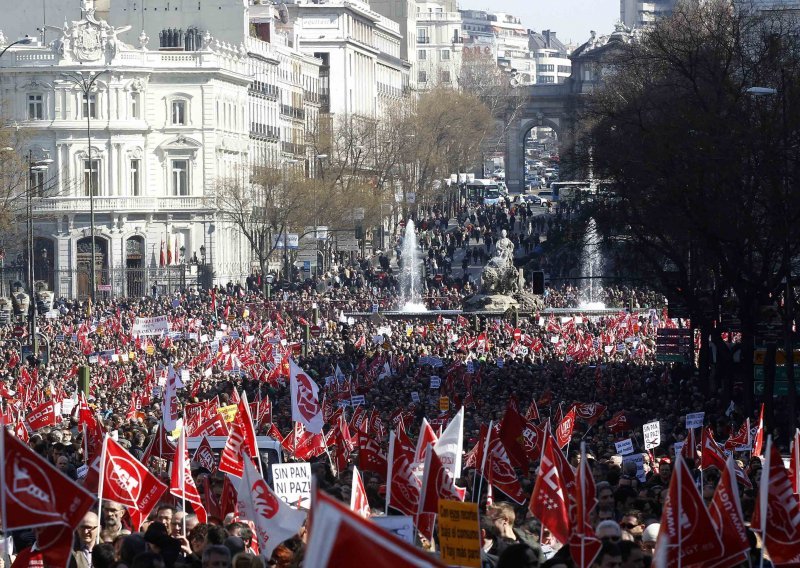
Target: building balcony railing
(261,131)
(292,148)
(311,96)
(261,89)
(123,203)
(293,112)
(423,39)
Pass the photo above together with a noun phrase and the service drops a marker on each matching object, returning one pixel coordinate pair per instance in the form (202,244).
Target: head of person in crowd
(649,537)
(609,531)
(610,556)
(216,556)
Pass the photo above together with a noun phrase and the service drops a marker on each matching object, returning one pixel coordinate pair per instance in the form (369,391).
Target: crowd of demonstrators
(233,340)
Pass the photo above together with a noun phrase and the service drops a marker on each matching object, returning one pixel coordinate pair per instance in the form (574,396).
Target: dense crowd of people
(233,340)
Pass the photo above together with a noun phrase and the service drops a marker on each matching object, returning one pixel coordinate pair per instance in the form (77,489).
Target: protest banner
(459,534)
(652,435)
(228,412)
(157,325)
(694,420)
(444,403)
(292,483)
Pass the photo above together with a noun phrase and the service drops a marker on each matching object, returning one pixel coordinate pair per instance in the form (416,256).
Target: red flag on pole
(181,484)
(726,514)
(204,455)
(359,503)
(758,438)
(687,534)
(583,545)
(230,460)
(564,430)
(305,399)
(161,258)
(777,511)
(402,486)
(125,480)
(794,462)
(712,456)
(42,416)
(511,435)
(437,483)
(549,500)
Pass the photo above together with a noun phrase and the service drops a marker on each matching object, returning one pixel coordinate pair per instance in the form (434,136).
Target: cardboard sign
(459,534)
(415,396)
(624,447)
(228,412)
(695,420)
(158,325)
(652,435)
(66,406)
(292,483)
(444,403)
(639,460)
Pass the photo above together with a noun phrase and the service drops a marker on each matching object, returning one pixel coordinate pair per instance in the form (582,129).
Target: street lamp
(34,166)
(319,157)
(284,163)
(85,81)
(24,41)
(269,278)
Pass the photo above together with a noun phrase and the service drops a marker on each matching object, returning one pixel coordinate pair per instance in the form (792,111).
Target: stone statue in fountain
(500,276)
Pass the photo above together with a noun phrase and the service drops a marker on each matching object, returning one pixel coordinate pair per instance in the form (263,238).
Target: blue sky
(571,19)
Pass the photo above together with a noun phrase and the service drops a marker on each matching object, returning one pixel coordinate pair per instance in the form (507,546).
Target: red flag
(549,499)
(169,249)
(588,411)
(726,514)
(583,545)
(619,423)
(214,426)
(689,448)
(758,438)
(511,435)
(230,460)
(181,483)
(687,534)
(741,439)
(161,258)
(402,487)
(427,437)
(339,537)
(305,399)
(204,455)
(36,493)
(359,503)
(777,512)
(42,416)
(371,457)
(533,411)
(437,484)
(125,480)
(245,420)
(564,431)
(500,472)
(534,440)
(160,447)
(712,456)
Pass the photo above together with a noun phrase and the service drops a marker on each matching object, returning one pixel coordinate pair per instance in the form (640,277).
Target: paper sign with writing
(694,420)
(292,483)
(401,526)
(228,412)
(624,447)
(459,534)
(435,382)
(652,435)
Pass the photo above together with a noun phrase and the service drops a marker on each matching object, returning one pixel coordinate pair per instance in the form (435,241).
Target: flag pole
(3,520)
(100,484)
(763,497)
(483,462)
(182,458)
(390,465)
(679,471)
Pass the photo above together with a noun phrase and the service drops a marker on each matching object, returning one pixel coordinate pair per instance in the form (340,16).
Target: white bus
(567,190)
(485,191)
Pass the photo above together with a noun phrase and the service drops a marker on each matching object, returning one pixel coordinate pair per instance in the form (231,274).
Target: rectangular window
(422,55)
(422,77)
(422,35)
(135,104)
(179,112)
(180,177)
(91,177)
(445,55)
(444,76)
(90,106)
(37,183)
(35,107)
(136,169)
(564,68)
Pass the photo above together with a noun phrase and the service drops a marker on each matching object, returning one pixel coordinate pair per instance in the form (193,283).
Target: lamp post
(85,81)
(269,278)
(285,163)
(33,166)
(24,41)
(319,157)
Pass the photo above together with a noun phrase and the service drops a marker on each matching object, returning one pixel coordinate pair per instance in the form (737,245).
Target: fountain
(591,266)
(411,273)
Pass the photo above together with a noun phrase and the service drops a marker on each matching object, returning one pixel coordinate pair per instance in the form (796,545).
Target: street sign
(315,331)
(674,345)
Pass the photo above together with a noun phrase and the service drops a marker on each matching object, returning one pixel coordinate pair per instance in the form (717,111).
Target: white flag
(274,520)
(449,445)
(306,408)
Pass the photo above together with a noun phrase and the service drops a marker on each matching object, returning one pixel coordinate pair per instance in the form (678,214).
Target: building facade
(640,14)
(439,44)
(172,111)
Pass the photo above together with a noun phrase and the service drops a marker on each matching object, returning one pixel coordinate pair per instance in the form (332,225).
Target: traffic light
(537,282)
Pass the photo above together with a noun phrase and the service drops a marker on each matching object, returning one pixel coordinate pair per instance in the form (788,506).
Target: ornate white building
(168,116)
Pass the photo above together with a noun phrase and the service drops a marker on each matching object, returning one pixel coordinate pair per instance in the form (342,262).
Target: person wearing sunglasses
(609,531)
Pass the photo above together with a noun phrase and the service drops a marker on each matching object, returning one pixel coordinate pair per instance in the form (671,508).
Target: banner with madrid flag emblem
(306,407)
(181,484)
(125,480)
(274,521)
(549,500)
(42,416)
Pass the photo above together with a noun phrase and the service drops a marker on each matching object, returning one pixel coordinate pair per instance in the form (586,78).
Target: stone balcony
(123,203)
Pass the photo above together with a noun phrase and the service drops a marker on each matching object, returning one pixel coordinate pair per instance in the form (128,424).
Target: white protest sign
(435,382)
(624,447)
(358,400)
(695,420)
(401,526)
(415,396)
(66,406)
(639,460)
(292,483)
(157,325)
(652,435)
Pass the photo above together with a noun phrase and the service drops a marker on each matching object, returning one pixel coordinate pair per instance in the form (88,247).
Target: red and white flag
(533,411)
(450,445)
(584,546)
(589,411)
(687,534)
(214,426)
(274,521)
(372,458)
(499,471)
(758,437)
(794,462)
(305,399)
(181,483)
(204,455)
(35,492)
(359,503)
(339,537)
(230,460)
(726,514)
(42,416)
(713,456)
(437,483)
(564,430)
(245,420)
(741,440)
(511,434)
(402,486)
(777,512)
(125,480)
(549,499)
